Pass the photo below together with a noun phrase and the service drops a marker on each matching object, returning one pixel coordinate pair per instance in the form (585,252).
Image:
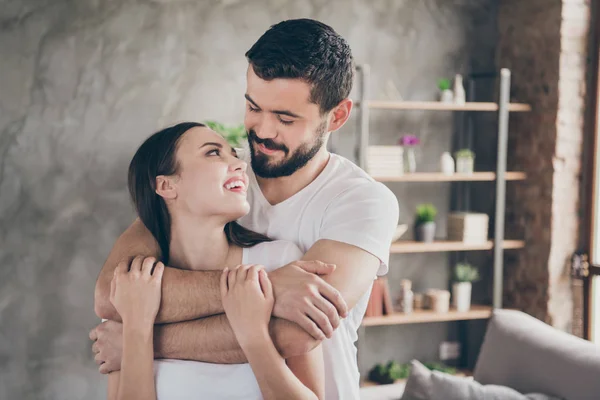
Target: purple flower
(409,140)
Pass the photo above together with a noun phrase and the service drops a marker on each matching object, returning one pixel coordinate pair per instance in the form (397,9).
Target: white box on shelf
(468,227)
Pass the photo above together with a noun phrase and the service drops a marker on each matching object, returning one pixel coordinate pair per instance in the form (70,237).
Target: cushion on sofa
(424,384)
(528,355)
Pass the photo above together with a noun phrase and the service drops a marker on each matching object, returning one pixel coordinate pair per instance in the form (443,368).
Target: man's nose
(266,129)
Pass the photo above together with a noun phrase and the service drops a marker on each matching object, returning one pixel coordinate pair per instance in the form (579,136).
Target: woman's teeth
(234,184)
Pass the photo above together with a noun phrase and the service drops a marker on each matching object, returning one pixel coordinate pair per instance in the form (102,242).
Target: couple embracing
(246,276)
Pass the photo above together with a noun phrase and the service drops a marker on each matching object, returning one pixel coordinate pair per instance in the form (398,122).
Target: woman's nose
(238,165)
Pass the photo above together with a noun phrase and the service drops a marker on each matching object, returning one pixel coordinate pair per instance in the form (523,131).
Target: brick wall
(544,43)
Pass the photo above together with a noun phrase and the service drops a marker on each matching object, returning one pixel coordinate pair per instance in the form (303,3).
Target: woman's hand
(136,293)
(248,302)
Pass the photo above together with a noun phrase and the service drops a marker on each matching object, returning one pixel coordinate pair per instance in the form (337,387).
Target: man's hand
(301,296)
(108,346)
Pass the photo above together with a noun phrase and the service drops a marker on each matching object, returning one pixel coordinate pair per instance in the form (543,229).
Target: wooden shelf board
(424,316)
(406,246)
(439,106)
(440,177)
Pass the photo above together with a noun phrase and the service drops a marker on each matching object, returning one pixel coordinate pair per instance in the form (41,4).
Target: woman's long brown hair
(157,156)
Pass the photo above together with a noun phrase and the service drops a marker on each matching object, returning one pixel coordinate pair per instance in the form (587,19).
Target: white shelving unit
(500,176)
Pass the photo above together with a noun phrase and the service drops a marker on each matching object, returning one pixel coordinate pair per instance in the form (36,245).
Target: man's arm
(356,269)
(211,339)
(208,339)
(186,295)
(189,295)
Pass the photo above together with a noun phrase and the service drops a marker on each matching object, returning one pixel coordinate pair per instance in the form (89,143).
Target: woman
(189,188)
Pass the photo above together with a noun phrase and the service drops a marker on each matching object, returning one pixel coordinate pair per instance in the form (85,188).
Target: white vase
(447,96)
(447,164)
(410,165)
(461,296)
(459,90)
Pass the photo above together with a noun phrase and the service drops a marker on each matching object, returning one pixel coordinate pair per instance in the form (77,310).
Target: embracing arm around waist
(212,340)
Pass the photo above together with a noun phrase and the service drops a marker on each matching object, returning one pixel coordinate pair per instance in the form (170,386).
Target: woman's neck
(200,245)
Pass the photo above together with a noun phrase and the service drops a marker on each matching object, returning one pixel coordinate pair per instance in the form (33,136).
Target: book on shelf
(380,301)
(385,160)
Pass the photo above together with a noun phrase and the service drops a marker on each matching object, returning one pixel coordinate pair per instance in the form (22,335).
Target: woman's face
(211,179)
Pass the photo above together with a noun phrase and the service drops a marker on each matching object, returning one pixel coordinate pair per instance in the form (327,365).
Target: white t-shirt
(184,380)
(343,204)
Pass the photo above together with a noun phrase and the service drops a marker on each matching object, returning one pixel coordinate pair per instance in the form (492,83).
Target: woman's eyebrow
(219,145)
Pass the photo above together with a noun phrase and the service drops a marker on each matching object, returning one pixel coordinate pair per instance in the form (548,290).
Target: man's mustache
(268,143)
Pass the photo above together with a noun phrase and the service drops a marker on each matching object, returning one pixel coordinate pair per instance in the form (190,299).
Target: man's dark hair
(309,50)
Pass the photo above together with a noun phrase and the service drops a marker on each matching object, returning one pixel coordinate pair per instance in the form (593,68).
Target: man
(299,79)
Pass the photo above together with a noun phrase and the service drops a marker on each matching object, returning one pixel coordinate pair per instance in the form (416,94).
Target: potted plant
(446,95)
(464,276)
(425,223)
(465,161)
(235,135)
(409,142)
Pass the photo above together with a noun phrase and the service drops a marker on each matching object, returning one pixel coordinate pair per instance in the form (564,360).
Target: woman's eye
(252,109)
(212,152)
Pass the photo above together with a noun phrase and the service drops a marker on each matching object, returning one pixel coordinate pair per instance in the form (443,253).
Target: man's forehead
(275,93)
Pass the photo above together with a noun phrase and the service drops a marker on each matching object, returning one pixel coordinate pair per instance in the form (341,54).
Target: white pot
(447,96)
(465,165)
(461,296)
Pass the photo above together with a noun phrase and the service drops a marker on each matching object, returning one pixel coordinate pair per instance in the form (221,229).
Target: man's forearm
(186,295)
(212,340)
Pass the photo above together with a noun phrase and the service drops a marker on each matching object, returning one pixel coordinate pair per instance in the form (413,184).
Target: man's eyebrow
(247,96)
(278,112)
(286,112)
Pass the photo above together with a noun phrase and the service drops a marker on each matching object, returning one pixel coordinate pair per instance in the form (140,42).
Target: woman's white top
(179,379)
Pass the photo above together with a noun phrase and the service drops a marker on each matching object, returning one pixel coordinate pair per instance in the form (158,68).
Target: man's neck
(200,244)
(277,190)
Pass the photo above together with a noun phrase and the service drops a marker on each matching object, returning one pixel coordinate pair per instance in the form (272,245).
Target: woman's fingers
(253,273)
(136,264)
(158,271)
(122,268)
(231,278)
(224,282)
(265,284)
(147,265)
(242,273)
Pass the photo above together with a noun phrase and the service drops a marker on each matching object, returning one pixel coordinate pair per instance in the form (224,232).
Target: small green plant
(425,213)
(392,371)
(444,84)
(235,135)
(464,153)
(465,272)
(389,373)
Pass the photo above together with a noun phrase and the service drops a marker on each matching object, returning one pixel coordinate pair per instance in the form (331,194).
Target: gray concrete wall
(83,83)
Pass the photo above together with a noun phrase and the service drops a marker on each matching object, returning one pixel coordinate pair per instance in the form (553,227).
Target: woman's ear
(165,187)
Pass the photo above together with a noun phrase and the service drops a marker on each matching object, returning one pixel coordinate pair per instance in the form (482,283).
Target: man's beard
(262,166)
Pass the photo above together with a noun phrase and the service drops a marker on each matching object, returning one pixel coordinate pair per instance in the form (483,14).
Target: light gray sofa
(518,352)
(530,356)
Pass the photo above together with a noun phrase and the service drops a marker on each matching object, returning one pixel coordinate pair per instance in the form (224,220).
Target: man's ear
(165,187)
(340,114)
